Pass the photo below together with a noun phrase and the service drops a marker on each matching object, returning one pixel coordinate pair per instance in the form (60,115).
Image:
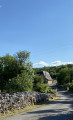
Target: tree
(8,69)
(22,58)
(10,66)
(39,85)
(23,82)
(63,76)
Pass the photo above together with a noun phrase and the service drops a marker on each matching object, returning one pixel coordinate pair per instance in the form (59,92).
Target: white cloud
(40,64)
(57,63)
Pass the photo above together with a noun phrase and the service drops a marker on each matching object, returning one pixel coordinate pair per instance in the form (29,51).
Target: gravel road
(61,109)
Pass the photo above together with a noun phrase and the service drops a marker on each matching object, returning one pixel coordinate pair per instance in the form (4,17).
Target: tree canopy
(11,68)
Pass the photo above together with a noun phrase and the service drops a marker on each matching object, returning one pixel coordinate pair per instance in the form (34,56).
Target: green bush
(51,91)
(22,82)
(40,86)
(70,86)
(43,88)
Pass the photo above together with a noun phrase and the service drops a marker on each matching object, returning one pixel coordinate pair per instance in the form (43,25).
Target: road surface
(61,109)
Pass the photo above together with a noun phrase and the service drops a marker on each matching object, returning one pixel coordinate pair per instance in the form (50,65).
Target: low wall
(18,100)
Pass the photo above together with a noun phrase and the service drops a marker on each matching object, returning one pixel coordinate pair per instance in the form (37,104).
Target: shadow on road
(57,114)
(52,116)
(56,117)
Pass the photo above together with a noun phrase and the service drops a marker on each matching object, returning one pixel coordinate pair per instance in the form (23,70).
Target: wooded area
(17,74)
(63,74)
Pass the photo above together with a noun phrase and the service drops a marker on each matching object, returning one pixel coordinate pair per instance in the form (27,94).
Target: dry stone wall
(19,100)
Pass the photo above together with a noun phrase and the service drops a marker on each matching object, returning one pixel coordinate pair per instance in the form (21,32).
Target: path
(61,109)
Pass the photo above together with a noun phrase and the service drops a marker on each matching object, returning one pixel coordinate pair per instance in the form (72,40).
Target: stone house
(46,76)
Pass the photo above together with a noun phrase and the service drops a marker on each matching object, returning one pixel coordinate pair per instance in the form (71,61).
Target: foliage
(38,84)
(22,82)
(17,74)
(51,70)
(70,86)
(63,73)
(51,91)
(12,66)
(63,76)
(8,69)
(22,59)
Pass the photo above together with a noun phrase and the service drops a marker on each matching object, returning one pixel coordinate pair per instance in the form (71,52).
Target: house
(46,76)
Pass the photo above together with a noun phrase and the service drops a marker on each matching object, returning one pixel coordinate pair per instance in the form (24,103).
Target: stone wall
(19,100)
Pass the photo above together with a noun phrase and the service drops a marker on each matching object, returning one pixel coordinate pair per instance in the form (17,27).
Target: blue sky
(42,27)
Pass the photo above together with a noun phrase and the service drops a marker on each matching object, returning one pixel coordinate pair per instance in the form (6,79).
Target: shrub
(22,82)
(70,86)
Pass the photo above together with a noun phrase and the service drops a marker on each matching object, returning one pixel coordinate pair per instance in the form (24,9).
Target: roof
(47,75)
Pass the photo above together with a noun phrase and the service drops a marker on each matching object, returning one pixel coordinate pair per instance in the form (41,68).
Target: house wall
(49,82)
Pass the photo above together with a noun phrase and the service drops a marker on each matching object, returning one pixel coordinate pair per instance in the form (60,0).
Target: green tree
(63,76)
(23,82)
(71,74)
(8,69)
(39,85)
(10,66)
(22,58)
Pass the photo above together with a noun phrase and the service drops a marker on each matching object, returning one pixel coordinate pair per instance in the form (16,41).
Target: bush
(63,76)
(22,82)
(40,86)
(43,88)
(51,91)
(70,86)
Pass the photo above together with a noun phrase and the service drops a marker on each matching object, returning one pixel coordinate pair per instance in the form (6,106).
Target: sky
(42,27)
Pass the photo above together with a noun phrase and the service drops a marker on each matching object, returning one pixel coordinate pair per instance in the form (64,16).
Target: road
(61,109)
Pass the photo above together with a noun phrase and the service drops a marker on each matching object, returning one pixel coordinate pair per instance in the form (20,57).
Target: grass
(27,108)
(17,111)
